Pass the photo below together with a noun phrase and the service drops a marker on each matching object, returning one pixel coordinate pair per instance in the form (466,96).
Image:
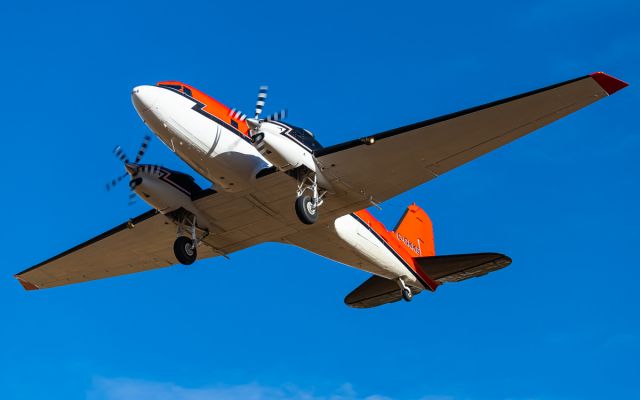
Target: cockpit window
(174,87)
(305,137)
(179,88)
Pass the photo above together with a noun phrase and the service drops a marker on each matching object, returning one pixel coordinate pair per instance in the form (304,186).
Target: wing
(146,242)
(381,166)
(241,219)
(140,244)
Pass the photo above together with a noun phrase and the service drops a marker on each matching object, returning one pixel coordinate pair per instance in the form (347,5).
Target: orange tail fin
(415,231)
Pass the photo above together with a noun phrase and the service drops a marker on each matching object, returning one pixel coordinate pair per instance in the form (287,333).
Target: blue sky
(560,323)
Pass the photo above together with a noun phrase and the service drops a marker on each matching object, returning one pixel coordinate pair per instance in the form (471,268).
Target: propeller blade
(277,116)
(143,148)
(132,197)
(237,114)
(120,154)
(131,167)
(262,95)
(114,182)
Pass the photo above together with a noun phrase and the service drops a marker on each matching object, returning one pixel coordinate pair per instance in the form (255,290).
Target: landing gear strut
(307,203)
(185,248)
(407,294)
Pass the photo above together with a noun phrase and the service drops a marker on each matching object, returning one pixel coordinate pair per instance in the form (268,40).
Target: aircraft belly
(232,162)
(363,241)
(219,154)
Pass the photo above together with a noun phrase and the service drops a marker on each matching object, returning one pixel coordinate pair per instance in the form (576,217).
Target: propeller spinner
(256,122)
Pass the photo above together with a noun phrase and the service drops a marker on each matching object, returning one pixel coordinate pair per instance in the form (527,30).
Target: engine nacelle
(164,189)
(282,149)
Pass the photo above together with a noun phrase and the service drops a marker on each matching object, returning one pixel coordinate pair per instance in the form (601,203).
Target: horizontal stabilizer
(458,267)
(374,292)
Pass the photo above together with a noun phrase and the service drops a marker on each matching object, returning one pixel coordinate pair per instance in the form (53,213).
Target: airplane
(274,182)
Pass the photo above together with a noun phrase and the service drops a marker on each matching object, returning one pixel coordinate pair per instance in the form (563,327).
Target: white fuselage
(385,261)
(227,158)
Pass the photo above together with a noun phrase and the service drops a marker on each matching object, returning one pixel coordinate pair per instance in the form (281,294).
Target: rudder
(415,231)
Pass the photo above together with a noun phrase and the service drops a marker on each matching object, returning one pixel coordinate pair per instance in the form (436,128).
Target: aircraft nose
(144,97)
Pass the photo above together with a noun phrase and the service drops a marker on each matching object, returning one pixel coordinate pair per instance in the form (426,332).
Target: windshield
(179,88)
(304,137)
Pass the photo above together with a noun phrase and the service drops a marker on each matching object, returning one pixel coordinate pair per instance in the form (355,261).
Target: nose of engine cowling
(144,97)
(131,168)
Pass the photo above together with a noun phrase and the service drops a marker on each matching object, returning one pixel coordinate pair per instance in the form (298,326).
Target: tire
(304,205)
(407,295)
(257,138)
(183,251)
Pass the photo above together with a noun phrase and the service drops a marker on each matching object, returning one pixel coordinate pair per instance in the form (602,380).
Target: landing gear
(186,248)
(407,294)
(185,251)
(306,210)
(307,204)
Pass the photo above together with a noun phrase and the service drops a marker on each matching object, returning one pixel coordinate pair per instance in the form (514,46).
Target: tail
(415,231)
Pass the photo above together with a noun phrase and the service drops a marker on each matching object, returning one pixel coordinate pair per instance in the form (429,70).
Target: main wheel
(184,250)
(257,138)
(407,295)
(307,213)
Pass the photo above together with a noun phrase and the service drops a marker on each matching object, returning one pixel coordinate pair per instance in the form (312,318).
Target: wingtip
(608,82)
(504,261)
(26,284)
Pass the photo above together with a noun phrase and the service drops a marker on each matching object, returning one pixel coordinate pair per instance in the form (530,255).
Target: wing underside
(141,244)
(146,242)
(384,165)
(240,219)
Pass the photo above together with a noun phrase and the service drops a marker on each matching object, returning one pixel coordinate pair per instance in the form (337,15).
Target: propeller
(131,167)
(256,122)
(132,198)
(262,96)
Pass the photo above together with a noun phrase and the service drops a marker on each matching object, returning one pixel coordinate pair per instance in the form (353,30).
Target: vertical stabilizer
(414,230)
